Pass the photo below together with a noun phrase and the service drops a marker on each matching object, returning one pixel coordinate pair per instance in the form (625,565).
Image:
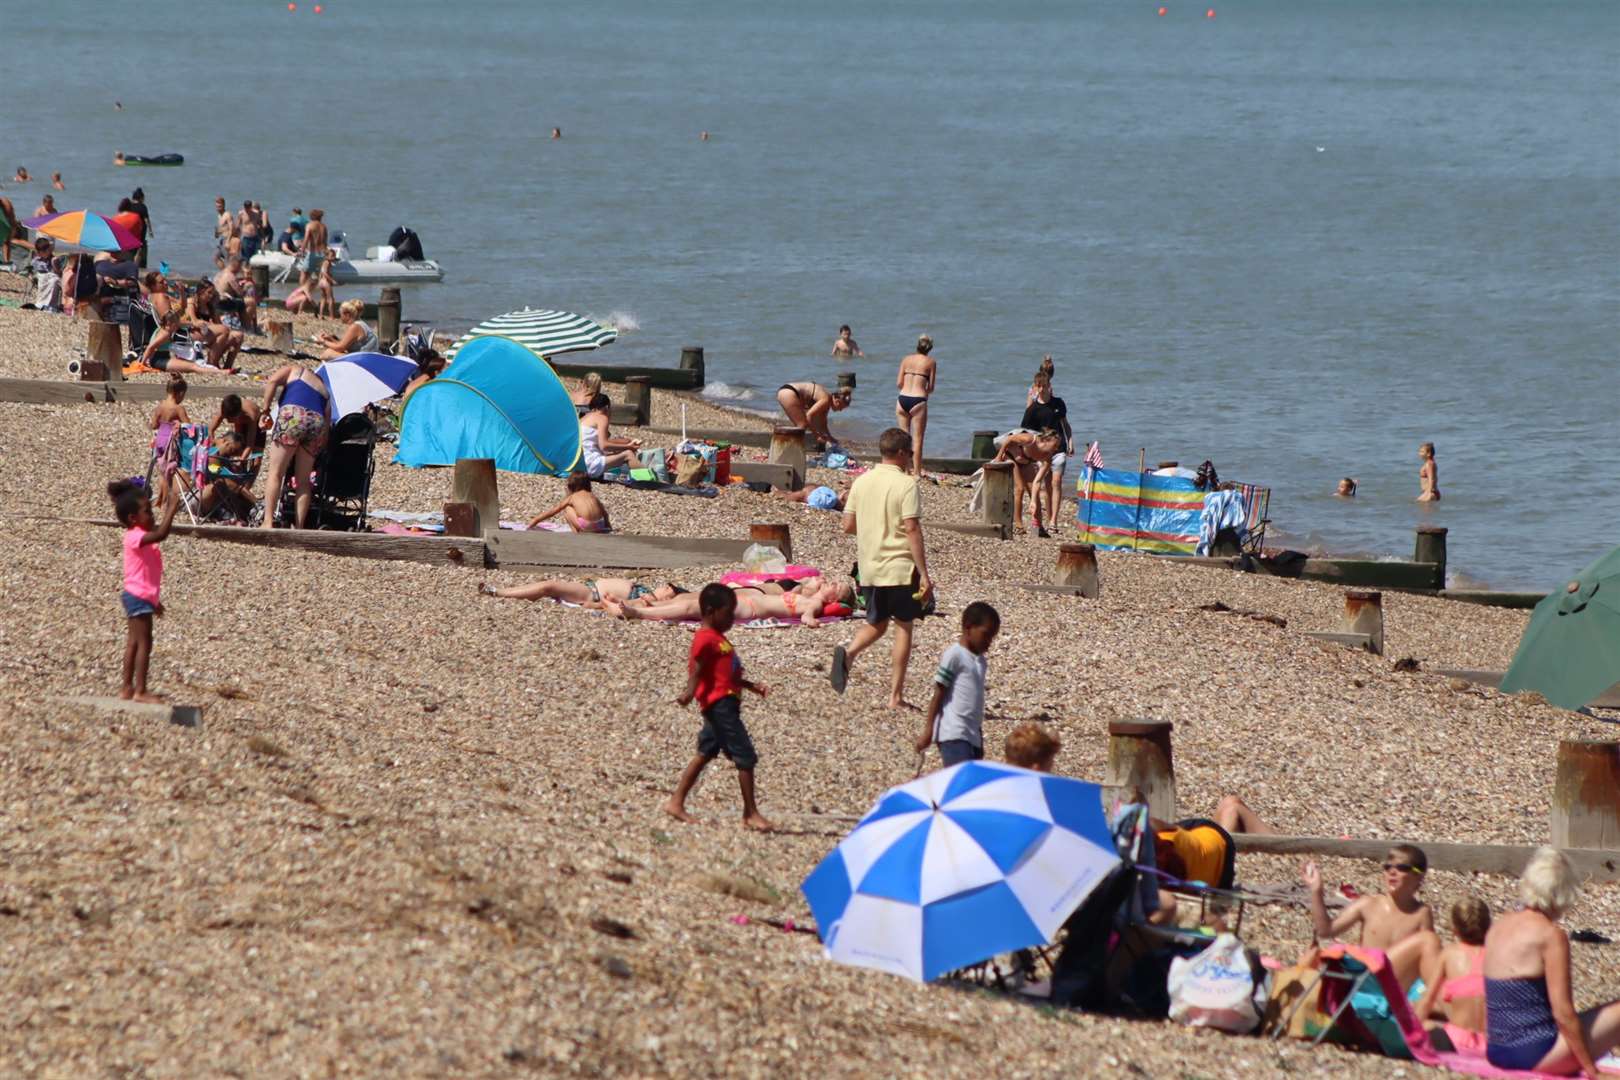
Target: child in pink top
(143,576)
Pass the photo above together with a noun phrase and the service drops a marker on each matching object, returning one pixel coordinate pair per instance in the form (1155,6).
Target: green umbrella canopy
(1570,652)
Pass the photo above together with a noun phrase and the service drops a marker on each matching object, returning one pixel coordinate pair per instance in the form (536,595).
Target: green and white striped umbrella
(549,333)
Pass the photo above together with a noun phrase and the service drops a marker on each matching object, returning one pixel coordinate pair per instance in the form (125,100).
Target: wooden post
(773,535)
(1431,548)
(1077,566)
(1586,795)
(106,347)
(1364,614)
(787,448)
(388,311)
(474,482)
(638,395)
(261,282)
(998,495)
(692,360)
(281,335)
(846,380)
(460,519)
(984,445)
(1139,757)
(1168,465)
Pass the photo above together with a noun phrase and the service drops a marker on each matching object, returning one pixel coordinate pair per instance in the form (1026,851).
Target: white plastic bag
(1217,988)
(764,559)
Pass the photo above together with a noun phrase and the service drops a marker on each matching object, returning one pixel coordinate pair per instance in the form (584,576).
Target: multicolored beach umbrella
(548,333)
(957,866)
(86,229)
(1570,652)
(360,379)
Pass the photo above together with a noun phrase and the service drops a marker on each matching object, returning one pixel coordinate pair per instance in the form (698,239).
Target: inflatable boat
(346,271)
(122,158)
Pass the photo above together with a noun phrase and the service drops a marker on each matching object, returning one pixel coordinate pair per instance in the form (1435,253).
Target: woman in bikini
(1429,474)
(1030,454)
(915,383)
(805,602)
(591,593)
(808,403)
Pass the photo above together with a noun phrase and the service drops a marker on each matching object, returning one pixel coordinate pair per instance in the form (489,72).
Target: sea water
(1297,238)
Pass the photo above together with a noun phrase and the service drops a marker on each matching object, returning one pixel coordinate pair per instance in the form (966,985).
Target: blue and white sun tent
(958,866)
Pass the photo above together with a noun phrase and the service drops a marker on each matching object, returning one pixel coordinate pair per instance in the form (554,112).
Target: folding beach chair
(1256,506)
(180,455)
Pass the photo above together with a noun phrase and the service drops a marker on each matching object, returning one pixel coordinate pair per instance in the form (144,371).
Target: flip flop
(840,669)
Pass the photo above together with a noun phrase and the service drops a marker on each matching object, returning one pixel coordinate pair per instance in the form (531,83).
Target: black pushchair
(342,478)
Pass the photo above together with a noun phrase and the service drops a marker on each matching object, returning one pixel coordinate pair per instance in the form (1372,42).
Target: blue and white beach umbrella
(361,379)
(957,866)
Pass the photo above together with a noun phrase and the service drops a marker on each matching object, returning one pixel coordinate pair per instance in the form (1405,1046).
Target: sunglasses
(1403,867)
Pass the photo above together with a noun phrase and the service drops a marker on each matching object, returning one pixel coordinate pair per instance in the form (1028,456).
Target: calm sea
(1298,238)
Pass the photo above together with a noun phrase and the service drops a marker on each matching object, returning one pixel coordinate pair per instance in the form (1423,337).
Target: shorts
(823,498)
(250,247)
(298,428)
(310,262)
(956,751)
(885,602)
(723,733)
(135,607)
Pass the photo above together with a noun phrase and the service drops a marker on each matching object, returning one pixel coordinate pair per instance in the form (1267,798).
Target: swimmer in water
(845,346)
(1347,488)
(703,136)
(556,133)
(56,182)
(915,382)
(1429,474)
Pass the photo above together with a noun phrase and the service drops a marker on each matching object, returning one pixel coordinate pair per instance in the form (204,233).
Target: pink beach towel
(744,577)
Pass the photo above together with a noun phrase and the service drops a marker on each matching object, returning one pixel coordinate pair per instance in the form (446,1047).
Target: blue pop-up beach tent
(497,400)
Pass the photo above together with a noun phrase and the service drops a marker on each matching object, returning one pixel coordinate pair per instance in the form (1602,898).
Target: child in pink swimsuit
(143,576)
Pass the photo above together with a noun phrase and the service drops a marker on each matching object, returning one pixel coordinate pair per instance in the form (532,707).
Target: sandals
(839,673)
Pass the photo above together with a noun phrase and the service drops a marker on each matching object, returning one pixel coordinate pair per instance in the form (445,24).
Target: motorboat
(170,160)
(381,266)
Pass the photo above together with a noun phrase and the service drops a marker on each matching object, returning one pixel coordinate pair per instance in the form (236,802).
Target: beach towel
(1222,510)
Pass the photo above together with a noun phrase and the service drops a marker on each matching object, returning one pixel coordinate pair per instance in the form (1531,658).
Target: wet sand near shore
(419,830)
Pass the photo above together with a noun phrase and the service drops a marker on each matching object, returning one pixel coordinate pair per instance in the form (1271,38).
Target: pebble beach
(419,831)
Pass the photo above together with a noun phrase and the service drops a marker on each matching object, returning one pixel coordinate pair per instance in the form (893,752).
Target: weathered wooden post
(1431,548)
(460,519)
(846,380)
(638,395)
(261,283)
(692,360)
(281,334)
(105,348)
(1585,809)
(1364,614)
(998,495)
(1168,465)
(1139,757)
(773,534)
(787,448)
(388,311)
(1077,566)
(984,445)
(474,483)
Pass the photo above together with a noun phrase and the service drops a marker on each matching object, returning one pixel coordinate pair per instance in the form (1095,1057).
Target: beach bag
(1222,987)
(690,470)
(764,559)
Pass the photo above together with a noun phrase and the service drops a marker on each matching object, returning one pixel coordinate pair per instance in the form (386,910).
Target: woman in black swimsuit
(807,404)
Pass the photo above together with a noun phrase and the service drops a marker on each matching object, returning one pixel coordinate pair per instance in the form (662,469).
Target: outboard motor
(406,244)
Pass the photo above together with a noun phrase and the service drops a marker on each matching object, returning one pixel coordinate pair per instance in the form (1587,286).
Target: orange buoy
(1163,10)
(1210,14)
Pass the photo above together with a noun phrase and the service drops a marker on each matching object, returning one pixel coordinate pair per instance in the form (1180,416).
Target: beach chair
(342,478)
(1256,505)
(180,455)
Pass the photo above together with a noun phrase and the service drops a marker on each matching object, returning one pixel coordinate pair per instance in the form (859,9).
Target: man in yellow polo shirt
(883,511)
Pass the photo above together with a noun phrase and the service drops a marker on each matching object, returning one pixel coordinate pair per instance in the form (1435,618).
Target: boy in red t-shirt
(716,680)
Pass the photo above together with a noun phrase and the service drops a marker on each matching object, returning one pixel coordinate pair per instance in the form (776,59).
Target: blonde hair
(925,344)
(353,308)
(591,385)
(1548,883)
(1031,745)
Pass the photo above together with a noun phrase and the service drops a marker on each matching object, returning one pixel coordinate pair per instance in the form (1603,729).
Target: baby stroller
(342,478)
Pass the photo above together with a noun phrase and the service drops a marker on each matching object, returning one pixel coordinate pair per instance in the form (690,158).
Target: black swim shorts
(723,733)
(885,602)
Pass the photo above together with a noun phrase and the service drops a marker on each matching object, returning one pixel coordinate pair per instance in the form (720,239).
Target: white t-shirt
(961,716)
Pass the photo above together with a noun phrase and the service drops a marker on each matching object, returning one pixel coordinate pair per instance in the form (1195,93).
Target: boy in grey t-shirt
(956,714)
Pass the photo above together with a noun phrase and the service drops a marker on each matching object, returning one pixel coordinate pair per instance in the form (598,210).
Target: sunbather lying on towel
(804,602)
(1396,922)
(592,592)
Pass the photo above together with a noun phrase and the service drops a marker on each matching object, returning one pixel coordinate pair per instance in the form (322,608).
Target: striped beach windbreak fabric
(1133,511)
(548,333)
